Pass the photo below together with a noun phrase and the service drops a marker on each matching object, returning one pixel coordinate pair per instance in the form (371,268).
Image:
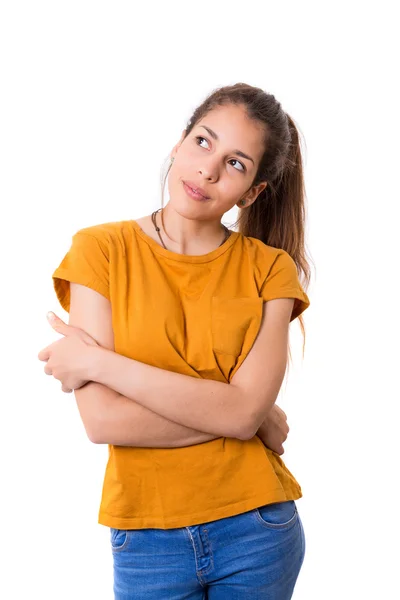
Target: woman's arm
(230,410)
(109,417)
(274,430)
(212,406)
(91,312)
(123,422)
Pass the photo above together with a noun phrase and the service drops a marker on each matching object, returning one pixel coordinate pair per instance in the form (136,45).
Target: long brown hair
(277,217)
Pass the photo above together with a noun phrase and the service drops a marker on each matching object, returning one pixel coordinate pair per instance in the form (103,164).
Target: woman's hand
(68,359)
(273,431)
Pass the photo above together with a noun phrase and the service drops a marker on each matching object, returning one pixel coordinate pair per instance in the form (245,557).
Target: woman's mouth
(193,194)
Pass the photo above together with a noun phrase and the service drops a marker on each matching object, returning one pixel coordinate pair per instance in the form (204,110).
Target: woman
(176,349)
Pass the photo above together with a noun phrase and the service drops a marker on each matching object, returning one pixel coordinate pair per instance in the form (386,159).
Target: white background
(93,97)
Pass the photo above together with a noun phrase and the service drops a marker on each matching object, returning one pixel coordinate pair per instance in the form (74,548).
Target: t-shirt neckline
(186,257)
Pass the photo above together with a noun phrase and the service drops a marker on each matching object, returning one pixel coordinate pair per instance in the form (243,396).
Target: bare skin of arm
(109,417)
(126,423)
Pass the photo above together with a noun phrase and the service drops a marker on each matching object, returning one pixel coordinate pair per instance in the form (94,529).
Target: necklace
(153,218)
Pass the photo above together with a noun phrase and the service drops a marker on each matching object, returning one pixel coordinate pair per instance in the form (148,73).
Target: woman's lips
(193,194)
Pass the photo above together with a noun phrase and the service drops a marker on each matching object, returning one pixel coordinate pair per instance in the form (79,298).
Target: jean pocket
(278,515)
(119,538)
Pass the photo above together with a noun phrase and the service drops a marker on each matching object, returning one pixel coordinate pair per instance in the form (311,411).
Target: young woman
(176,349)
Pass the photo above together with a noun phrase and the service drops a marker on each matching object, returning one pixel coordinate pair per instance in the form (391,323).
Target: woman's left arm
(236,409)
(211,406)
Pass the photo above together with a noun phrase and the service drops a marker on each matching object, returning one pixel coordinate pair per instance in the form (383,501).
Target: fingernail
(50,315)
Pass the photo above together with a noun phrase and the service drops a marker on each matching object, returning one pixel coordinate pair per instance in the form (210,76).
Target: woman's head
(247,120)
(220,153)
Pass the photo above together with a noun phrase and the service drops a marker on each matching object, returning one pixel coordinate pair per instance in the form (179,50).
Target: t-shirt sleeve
(282,281)
(87,263)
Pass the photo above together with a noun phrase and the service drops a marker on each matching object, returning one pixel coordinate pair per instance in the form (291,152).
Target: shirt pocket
(235,323)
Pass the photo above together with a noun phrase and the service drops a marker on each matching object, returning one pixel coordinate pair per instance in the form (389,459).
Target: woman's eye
(200,137)
(239,163)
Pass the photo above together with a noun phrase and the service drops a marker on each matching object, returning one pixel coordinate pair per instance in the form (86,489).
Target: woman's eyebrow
(238,152)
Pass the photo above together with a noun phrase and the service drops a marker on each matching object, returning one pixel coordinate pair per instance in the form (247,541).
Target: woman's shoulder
(107,233)
(261,250)
(103,229)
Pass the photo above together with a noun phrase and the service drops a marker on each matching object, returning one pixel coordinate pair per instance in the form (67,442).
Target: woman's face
(217,165)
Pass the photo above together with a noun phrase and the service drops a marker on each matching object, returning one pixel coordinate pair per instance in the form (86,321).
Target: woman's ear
(255,192)
(176,147)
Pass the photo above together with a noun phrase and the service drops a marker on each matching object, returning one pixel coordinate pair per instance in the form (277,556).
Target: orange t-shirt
(195,315)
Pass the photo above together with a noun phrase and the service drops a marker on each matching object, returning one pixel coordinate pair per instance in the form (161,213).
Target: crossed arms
(123,404)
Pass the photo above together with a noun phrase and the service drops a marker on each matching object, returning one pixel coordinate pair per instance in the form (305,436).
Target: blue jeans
(256,555)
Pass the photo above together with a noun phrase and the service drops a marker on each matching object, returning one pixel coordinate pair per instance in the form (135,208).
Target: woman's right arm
(126,423)
(123,422)
(109,417)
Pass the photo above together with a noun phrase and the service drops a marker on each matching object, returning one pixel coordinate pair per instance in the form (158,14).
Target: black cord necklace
(153,218)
